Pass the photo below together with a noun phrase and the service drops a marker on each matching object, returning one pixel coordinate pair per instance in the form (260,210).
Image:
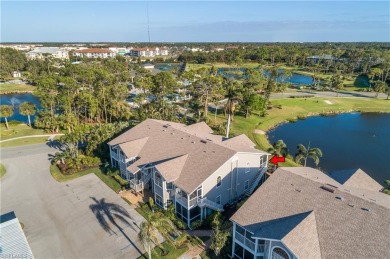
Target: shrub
(292,120)
(89,160)
(151,202)
(302,117)
(196,224)
(120,180)
(180,224)
(302,96)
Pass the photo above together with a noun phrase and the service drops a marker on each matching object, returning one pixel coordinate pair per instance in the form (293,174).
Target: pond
(15,100)
(348,141)
(296,79)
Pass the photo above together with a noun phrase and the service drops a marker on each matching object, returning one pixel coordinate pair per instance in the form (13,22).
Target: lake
(296,79)
(347,141)
(15,100)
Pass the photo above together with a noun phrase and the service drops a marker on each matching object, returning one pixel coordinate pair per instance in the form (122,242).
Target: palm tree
(305,153)
(27,109)
(233,95)
(149,229)
(279,148)
(6,111)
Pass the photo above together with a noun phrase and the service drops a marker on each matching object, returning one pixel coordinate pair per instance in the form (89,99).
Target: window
(158,180)
(246,186)
(219,181)
(218,199)
(169,186)
(279,253)
(159,201)
(263,161)
(169,202)
(248,167)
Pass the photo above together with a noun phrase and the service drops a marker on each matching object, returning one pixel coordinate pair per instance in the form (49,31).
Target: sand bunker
(328,102)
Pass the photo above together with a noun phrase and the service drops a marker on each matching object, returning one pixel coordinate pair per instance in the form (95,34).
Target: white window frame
(169,189)
(162,201)
(248,167)
(220,183)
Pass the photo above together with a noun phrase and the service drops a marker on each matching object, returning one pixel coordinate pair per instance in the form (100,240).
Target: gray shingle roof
(167,140)
(356,178)
(13,243)
(283,205)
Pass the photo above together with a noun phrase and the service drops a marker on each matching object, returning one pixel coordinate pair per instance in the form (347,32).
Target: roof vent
(166,125)
(298,190)
(327,189)
(193,142)
(351,205)
(172,133)
(203,141)
(331,185)
(366,209)
(339,198)
(164,130)
(371,199)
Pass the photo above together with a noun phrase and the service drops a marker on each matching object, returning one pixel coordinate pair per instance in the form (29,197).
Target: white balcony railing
(136,185)
(210,204)
(114,155)
(181,199)
(260,248)
(245,241)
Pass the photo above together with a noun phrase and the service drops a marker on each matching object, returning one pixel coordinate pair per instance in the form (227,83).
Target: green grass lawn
(294,107)
(111,182)
(2,170)
(16,88)
(173,252)
(20,130)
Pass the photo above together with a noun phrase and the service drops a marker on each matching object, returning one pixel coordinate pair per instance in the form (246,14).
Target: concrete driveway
(82,218)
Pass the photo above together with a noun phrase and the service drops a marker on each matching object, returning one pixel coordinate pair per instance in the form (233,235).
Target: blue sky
(195,21)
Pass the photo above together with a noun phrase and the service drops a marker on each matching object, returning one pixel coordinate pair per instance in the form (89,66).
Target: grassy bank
(57,175)
(292,108)
(16,88)
(20,130)
(2,170)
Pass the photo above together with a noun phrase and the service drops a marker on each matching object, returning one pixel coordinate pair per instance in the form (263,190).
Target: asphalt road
(57,217)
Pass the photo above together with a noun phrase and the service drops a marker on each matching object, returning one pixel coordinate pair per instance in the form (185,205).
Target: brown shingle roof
(132,148)
(345,228)
(169,140)
(172,168)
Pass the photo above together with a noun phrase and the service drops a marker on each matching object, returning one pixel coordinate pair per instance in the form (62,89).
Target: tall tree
(27,109)
(379,87)
(233,93)
(6,111)
(304,153)
(149,229)
(336,83)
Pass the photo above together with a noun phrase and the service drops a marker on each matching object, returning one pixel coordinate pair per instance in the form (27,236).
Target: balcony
(136,185)
(181,199)
(114,155)
(245,241)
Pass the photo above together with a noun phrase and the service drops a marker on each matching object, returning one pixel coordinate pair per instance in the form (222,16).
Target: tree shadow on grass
(107,213)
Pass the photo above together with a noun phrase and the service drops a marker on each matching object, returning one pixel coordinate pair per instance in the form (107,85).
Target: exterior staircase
(204,202)
(256,180)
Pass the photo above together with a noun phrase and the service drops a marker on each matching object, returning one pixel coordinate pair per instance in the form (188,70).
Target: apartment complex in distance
(300,212)
(41,52)
(148,52)
(187,166)
(94,53)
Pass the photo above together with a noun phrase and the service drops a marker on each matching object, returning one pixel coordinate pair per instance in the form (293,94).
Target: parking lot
(82,218)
